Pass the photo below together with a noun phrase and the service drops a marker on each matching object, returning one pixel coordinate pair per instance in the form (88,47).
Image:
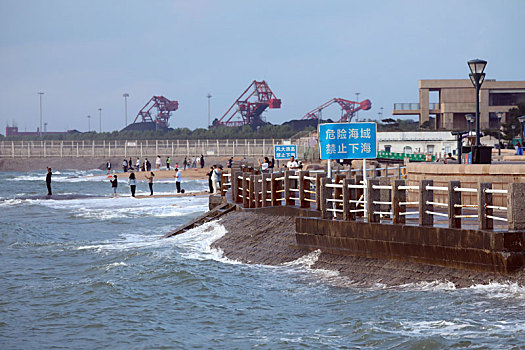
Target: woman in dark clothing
(114,184)
(132,183)
(210,182)
(150,182)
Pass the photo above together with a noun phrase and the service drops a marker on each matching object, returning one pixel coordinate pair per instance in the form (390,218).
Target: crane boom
(348,109)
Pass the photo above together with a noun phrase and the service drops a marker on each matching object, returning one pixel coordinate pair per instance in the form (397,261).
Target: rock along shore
(257,238)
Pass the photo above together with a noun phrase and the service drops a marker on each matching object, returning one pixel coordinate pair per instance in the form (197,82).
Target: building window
(388,148)
(430,148)
(506,99)
(407,150)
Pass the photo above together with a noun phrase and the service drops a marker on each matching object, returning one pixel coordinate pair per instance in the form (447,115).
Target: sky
(85,54)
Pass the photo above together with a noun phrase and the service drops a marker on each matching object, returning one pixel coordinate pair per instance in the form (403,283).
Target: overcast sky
(85,54)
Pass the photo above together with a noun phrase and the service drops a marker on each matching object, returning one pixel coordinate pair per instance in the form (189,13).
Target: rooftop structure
(457,98)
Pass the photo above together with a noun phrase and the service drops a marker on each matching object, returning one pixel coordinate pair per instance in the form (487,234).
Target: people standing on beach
(178,179)
(108,166)
(158,162)
(292,164)
(176,165)
(194,163)
(230,162)
(185,163)
(202,161)
(150,182)
(114,184)
(210,181)
(132,183)
(147,165)
(168,161)
(137,164)
(272,164)
(48,181)
(125,165)
(130,164)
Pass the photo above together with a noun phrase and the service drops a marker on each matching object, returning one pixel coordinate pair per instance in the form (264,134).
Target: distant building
(457,98)
(13,131)
(429,142)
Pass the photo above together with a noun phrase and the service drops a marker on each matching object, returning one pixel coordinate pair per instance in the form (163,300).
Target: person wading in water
(48,181)
(150,182)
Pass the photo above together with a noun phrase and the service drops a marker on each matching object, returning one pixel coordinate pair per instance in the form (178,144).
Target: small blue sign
(348,141)
(285,151)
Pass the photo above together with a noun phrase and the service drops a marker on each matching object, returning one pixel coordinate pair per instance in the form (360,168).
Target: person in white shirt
(178,179)
(215,178)
(292,164)
(265,165)
(158,162)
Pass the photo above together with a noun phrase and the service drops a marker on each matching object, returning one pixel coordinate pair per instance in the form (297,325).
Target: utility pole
(89,123)
(209,97)
(40,130)
(100,120)
(126,95)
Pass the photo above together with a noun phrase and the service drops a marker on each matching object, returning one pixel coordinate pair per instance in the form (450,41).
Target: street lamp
(477,76)
(126,95)
(100,120)
(470,119)
(209,97)
(40,130)
(500,115)
(89,123)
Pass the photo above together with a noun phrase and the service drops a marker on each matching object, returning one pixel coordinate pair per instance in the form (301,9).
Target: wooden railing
(381,200)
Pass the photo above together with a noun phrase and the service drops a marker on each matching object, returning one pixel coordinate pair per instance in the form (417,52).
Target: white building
(429,142)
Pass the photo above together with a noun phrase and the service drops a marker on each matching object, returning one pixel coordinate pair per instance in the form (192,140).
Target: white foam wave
(127,242)
(196,243)
(500,290)
(428,286)
(307,261)
(110,266)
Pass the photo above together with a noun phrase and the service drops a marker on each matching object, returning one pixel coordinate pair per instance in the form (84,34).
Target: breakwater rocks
(258,238)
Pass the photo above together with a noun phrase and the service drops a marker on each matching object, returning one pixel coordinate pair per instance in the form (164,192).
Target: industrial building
(457,98)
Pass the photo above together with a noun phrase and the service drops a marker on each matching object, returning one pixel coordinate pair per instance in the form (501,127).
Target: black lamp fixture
(500,116)
(522,122)
(477,77)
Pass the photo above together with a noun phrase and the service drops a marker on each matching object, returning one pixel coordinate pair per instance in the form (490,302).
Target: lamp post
(89,123)
(477,76)
(208,96)
(126,95)
(40,130)
(500,115)
(100,120)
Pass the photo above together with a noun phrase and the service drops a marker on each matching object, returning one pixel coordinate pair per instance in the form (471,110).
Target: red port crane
(163,107)
(348,109)
(247,109)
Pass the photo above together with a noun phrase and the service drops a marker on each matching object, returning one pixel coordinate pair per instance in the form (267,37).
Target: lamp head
(500,115)
(477,66)
(522,119)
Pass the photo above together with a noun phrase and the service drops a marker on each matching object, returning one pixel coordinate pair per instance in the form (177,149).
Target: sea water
(95,273)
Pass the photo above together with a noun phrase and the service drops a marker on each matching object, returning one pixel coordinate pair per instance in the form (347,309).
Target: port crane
(158,110)
(247,109)
(348,109)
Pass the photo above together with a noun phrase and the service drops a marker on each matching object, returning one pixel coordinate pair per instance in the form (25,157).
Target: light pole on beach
(209,98)
(40,130)
(126,95)
(89,123)
(100,120)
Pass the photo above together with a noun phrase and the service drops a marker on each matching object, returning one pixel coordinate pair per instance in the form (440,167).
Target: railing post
(425,195)
(318,178)
(398,171)
(287,200)
(325,194)
(484,199)
(516,206)
(346,199)
(386,170)
(302,185)
(338,193)
(251,195)
(234,186)
(257,189)
(245,190)
(398,196)
(373,195)
(374,172)
(273,189)
(454,200)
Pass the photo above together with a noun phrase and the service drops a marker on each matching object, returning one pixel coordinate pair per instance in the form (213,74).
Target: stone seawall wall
(500,175)
(456,248)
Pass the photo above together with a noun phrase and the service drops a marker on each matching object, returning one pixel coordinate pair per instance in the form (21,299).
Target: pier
(383,216)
